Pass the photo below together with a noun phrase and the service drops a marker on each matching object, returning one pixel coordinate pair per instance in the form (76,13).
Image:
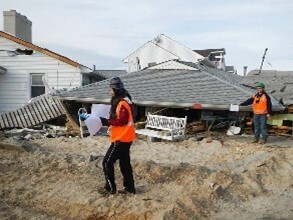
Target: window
(37,85)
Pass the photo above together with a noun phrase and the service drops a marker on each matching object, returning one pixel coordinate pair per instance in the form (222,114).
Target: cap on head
(260,85)
(116,83)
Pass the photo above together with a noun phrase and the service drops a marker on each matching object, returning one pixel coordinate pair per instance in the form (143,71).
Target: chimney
(17,25)
(244,70)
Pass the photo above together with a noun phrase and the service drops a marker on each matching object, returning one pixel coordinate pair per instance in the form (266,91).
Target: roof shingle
(279,84)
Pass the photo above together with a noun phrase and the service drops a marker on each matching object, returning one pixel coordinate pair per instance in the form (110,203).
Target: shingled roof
(108,74)
(279,84)
(169,88)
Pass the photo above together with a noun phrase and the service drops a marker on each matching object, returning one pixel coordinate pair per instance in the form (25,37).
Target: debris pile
(195,127)
(41,109)
(46,131)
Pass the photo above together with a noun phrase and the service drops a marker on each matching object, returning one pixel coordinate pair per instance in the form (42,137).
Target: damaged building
(167,78)
(29,74)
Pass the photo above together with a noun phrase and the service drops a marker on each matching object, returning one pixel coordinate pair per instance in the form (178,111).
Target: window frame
(31,83)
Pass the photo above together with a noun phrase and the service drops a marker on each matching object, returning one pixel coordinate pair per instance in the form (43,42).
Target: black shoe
(104,191)
(124,191)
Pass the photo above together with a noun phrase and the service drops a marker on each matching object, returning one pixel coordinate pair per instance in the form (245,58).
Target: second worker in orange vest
(122,134)
(262,108)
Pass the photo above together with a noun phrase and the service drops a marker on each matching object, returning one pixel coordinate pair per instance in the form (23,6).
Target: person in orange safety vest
(262,108)
(122,134)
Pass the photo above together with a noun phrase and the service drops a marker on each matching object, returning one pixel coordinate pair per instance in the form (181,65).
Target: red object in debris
(197,106)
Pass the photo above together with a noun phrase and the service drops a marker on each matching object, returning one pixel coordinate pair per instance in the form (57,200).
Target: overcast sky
(102,33)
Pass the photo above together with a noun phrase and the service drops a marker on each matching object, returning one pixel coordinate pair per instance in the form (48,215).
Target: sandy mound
(212,179)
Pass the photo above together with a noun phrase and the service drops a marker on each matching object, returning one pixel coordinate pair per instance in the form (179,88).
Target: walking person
(262,108)
(122,134)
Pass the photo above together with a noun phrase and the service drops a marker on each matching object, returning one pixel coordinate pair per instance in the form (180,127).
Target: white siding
(148,54)
(159,50)
(15,84)
(184,53)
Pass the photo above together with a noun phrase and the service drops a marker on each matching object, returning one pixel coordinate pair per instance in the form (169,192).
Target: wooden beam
(50,107)
(31,119)
(46,108)
(34,114)
(2,122)
(26,117)
(17,119)
(22,118)
(41,111)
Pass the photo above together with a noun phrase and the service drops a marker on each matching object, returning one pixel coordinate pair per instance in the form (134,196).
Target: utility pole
(263,58)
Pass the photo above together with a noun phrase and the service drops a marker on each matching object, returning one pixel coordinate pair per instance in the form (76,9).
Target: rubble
(30,134)
(195,127)
(41,109)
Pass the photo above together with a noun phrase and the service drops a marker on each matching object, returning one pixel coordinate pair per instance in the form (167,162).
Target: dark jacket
(250,101)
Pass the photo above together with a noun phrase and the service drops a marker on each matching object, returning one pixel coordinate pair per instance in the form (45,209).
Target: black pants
(118,150)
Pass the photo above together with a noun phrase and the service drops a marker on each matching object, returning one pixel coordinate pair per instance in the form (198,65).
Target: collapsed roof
(211,88)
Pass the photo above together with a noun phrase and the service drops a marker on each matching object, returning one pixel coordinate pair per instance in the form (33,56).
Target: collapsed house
(200,94)
(167,78)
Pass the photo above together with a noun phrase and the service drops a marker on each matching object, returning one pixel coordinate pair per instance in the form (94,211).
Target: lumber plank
(9,120)
(14,121)
(37,112)
(44,110)
(6,121)
(22,118)
(19,124)
(48,102)
(26,117)
(57,107)
(31,119)
(41,111)
(34,114)
(2,122)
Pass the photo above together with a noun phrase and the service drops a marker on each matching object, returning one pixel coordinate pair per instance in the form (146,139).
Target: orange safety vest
(124,133)
(259,105)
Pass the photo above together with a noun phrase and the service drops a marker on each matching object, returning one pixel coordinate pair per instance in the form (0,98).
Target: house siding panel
(148,54)
(159,50)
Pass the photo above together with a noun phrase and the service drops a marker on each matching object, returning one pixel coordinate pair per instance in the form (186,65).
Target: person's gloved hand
(104,121)
(83,116)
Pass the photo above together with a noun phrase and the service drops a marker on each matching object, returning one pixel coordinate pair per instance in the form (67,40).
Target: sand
(215,178)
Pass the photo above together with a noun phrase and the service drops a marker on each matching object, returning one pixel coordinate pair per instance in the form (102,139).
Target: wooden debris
(72,125)
(40,109)
(195,127)
(281,130)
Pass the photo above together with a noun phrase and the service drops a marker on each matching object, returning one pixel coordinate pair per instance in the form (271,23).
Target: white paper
(101,110)
(234,108)
(93,124)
